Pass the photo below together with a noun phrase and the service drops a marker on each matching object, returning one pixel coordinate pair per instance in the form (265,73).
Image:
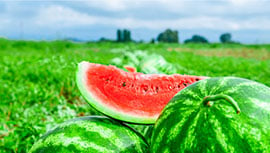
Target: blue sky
(247,20)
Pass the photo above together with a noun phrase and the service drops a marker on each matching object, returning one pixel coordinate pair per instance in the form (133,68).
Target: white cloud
(200,22)
(59,16)
(243,2)
(224,15)
(126,5)
(111,5)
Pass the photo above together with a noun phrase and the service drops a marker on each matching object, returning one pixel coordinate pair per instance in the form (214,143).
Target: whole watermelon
(224,114)
(91,134)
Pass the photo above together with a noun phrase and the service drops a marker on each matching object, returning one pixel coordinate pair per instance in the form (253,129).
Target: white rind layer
(98,104)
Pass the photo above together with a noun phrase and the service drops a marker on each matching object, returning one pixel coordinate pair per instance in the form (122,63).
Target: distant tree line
(169,36)
(196,39)
(123,35)
(226,38)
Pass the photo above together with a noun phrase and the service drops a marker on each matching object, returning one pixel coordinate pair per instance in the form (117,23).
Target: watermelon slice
(129,96)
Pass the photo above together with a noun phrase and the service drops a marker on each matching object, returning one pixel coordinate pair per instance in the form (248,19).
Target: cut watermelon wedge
(129,96)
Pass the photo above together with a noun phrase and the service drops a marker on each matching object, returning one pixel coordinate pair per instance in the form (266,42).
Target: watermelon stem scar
(209,101)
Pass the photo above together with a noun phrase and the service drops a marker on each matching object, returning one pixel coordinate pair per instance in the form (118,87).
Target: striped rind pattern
(91,134)
(144,129)
(188,125)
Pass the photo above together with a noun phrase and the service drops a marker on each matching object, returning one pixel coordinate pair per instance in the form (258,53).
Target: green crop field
(37,79)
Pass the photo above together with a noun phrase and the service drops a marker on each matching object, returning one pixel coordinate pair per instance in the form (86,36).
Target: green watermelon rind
(91,134)
(187,124)
(92,100)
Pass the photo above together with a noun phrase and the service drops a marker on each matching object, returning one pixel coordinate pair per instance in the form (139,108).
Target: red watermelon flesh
(129,96)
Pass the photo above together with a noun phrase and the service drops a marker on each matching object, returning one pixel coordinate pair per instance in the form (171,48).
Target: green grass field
(37,79)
